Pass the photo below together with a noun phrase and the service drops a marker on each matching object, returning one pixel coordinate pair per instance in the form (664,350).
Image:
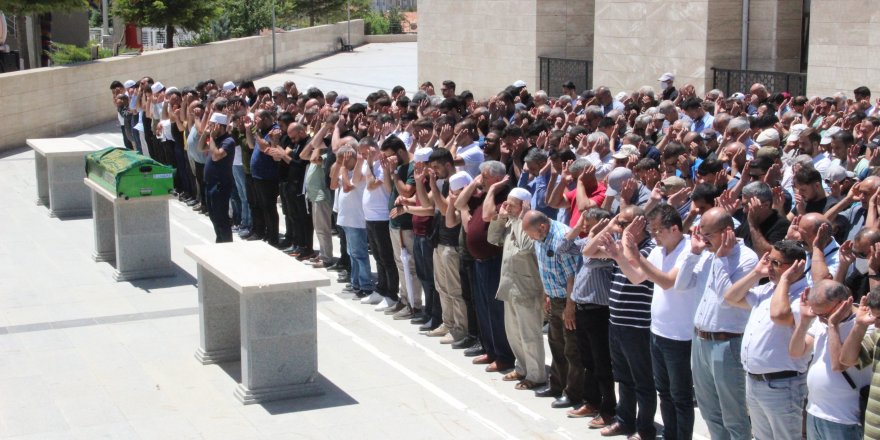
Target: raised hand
(698,244)
(599,227)
(762,269)
(846,254)
(794,272)
(863,314)
(628,190)
(874,258)
(794,231)
(823,235)
(680,197)
(807,312)
(842,312)
(728,240)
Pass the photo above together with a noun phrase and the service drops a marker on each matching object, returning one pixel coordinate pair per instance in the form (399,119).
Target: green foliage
(25,7)
(95,19)
(187,14)
(249,17)
(316,10)
(62,54)
(376,23)
(395,18)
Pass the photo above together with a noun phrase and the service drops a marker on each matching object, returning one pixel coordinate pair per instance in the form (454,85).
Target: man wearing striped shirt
(557,274)
(629,332)
(672,315)
(590,294)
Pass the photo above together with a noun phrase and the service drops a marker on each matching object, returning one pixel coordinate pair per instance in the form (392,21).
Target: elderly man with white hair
(520,289)
(598,149)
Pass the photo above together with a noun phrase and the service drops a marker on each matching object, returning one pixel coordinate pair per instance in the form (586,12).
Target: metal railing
(736,80)
(556,71)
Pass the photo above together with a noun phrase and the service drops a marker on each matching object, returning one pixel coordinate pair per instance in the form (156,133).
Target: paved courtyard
(85,357)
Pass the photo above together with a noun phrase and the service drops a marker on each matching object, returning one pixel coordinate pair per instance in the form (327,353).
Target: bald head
(716,219)
(534,219)
(828,291)
(811,222)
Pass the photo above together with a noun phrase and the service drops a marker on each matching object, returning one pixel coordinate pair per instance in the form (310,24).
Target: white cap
(826,139)
(228,85)
(795,133)
(521,194)
(738,96)
(459,180)
(423,154)
(767,136)
(219,118)
(130,83)
(837,173)
(668,76)
(519,83)
(620,96)
(157,87)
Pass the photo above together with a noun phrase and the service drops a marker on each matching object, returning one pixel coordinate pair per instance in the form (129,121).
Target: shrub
(62,54)
(376,23)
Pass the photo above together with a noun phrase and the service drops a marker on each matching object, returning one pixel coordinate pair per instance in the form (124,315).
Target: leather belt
(717,336)
(773,376)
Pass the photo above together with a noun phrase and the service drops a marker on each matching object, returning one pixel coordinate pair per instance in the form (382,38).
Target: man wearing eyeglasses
(557,275)
(629,330)
(672,315)
(716,261)
(776,385)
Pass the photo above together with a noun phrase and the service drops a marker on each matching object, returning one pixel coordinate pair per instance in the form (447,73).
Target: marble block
(135,233)
(259,305)
(60,167)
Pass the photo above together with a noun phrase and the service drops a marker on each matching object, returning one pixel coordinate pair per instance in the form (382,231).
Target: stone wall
(636,41)
(392,38)
(50,102)
(487,45)
(844,41)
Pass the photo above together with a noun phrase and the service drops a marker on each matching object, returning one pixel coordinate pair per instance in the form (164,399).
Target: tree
(22,8)
(316,9)
(249,17)
(191,15)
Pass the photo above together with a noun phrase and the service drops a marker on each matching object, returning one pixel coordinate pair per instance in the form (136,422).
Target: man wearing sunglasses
(716,261)
(776,385)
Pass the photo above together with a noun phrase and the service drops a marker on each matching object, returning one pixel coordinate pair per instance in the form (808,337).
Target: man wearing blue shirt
(536,179)
(218,175)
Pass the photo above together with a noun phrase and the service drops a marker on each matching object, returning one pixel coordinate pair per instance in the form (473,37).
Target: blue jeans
(361,275)
(424,255)
(720,386)
(238,174)
(490,311)
(821,429)
(777,407)
(631,364)
(675,385)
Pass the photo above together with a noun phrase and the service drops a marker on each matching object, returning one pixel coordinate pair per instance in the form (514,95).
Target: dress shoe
(475,350)
(613,429)
(191,202)
(598,422)
(196,207)
(253,237)
(547,392)
(562,402)
(585,410)
(427,327)
(482,359)
(405,313)
(394,308)
(305,255)
(285,243)
(360,295)
(290,250)
(419,318)
(465,342)
(343,277)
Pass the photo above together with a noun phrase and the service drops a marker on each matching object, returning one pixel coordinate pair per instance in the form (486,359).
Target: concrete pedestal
(258,305)
(134,233)
(60,168)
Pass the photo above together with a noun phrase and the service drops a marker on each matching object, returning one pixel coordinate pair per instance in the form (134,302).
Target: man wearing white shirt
(775,383)
(600,155)
(719,381)
(833,406)
(809,143)
(466,151)
(351,219)
(672,317)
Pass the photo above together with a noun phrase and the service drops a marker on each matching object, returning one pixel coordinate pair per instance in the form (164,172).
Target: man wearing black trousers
(298,218)
(264,170)
(218,175)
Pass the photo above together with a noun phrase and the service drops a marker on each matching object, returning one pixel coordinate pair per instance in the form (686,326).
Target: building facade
(815,47)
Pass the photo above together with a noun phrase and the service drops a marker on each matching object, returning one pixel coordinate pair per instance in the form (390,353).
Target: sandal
(513,376)
(528,385)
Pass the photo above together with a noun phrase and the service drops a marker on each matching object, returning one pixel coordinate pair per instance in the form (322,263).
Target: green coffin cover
(129,174)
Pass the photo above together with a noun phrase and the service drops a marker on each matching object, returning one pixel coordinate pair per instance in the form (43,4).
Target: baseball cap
(771,153)
(836,173)
(668,76)
(795,133)
(738,96)
(826,139)
(767,136)
(519,83)
(625,151)
(616,178)
(673,184)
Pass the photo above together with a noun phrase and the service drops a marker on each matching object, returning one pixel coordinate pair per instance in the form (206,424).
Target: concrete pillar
(775,35)
(636,41)
(844,36)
